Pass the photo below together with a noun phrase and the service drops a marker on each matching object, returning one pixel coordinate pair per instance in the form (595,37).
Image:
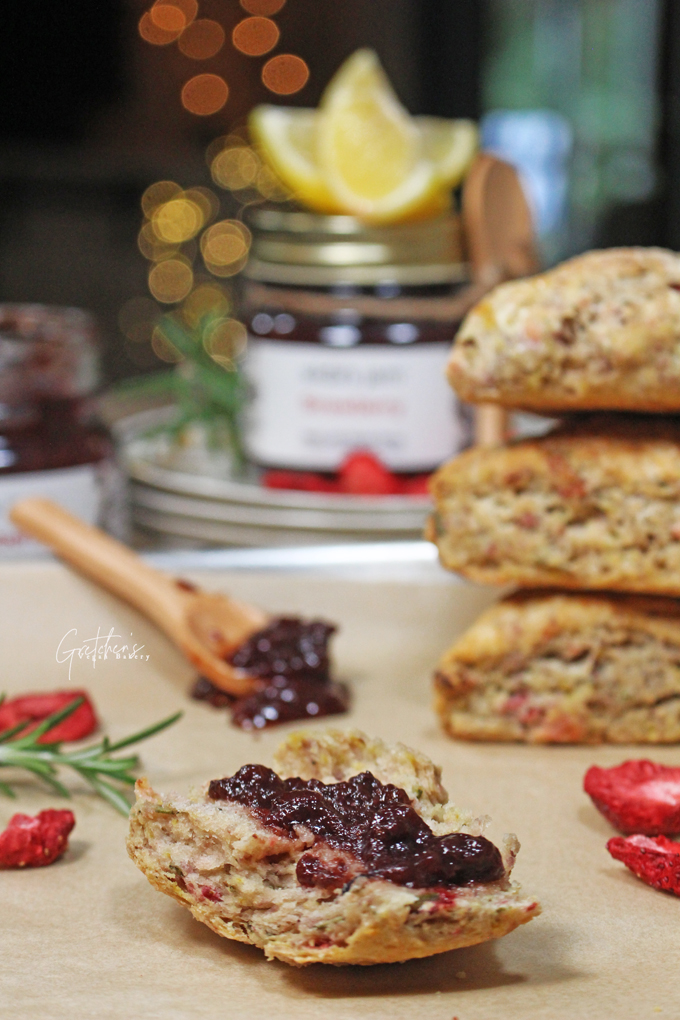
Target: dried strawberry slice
(29,842)
(637,796)
(419,485)
(33,708)
(656,861)
(362,474)
(302,481)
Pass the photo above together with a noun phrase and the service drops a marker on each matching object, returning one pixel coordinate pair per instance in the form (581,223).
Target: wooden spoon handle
(102,558)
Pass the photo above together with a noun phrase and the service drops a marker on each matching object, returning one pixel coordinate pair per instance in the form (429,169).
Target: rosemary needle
(94,763)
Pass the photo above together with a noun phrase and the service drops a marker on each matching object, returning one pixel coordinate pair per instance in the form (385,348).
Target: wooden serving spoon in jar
(205,627)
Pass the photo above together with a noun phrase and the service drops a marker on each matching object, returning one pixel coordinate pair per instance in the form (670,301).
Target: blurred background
(582,95)
(125,168)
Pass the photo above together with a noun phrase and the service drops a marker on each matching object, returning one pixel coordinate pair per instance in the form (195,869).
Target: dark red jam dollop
(291,662)
(362,827)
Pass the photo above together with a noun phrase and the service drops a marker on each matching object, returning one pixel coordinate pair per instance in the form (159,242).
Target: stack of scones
(584,521)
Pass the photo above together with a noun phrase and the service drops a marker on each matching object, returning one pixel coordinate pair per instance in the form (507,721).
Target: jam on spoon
(361,827)
(290,660)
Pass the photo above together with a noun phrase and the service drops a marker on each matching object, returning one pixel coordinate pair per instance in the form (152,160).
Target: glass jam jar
(50,444)
(350,328)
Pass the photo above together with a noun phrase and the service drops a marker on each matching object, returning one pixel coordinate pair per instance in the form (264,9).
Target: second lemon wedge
(369,149)
(287,138)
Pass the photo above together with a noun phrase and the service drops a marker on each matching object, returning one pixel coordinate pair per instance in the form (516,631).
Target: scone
(594,505)
(565,668)
(358,871)
(601,331)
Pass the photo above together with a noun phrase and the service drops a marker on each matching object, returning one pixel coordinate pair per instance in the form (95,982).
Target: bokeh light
(205,299)
(180,221)
(189,8)
(225,340)
(163,348)
(151,246)
(270,186)
(263,7)
(285,74)
(202,39)
(206,200)
(171,280)
(204,94)
(168,17)
(156,194)
(255,36)
(225,247)
(233,139)
(153,33)
(177,221)
(235,168)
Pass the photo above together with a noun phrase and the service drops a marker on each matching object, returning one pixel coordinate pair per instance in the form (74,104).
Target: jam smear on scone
(361,827)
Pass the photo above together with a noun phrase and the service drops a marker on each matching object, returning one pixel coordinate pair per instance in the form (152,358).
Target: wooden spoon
(205,627)
(499,234)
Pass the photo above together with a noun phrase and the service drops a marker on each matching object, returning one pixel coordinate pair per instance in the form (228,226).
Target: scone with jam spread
(348,854)
(601,331)
(596,504)
(565,668)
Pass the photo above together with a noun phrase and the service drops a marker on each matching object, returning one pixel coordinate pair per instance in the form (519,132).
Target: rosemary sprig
(203,389)
(95,763)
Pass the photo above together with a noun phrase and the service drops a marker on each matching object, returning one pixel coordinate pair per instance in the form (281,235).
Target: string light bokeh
(193,253)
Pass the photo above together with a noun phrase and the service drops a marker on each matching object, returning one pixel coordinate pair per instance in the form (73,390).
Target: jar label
(76,489)
(311,405)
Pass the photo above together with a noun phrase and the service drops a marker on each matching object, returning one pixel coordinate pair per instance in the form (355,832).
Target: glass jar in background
(50,443)
(349,328)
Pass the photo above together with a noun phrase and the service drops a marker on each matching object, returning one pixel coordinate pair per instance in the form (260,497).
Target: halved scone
(280,885)
(561,667)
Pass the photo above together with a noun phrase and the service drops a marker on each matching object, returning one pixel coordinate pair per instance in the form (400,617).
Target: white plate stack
(177,507)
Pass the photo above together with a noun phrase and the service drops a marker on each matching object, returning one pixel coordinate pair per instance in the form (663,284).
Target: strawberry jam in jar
(350,327)
(50,445)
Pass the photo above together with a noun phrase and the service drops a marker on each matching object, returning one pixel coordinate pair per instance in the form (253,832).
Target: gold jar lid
(303,248)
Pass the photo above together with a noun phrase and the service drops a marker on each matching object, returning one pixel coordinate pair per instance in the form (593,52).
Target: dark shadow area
(414,977)
(461,970)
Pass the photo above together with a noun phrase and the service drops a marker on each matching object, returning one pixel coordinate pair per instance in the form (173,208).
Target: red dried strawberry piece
(34,842)
(301,481)
(655,861)
(419,485)
(33,708)
(362,474)
(637,796)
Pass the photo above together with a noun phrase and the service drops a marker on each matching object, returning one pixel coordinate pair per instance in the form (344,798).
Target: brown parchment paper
(89,938)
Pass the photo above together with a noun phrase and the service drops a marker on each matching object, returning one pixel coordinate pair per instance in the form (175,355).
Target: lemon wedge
(361,152)
(369,149)
(451,145)
(287,138)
